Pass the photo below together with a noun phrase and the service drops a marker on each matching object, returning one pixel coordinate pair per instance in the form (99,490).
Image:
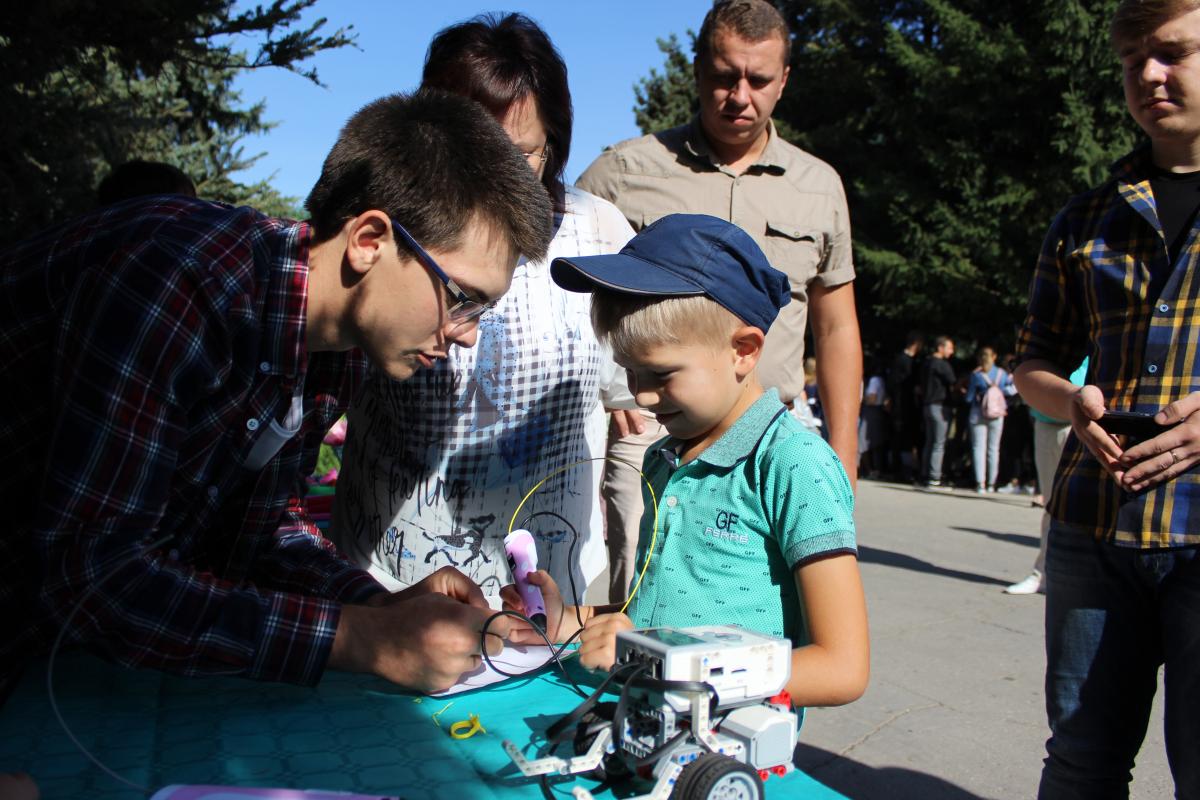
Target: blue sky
(607,45)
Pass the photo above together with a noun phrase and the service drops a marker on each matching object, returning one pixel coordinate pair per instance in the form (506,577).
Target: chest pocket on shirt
(653,216)
(795,250)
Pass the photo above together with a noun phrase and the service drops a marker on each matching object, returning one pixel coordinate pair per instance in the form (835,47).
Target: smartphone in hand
(1136,426)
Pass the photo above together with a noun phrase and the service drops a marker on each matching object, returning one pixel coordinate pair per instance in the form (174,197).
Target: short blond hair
(631,323)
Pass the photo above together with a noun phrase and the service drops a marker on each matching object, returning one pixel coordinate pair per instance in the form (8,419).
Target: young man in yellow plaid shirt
(1118,281)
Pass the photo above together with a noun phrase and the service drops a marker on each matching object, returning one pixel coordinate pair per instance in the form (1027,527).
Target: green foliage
(90,85)
(667,99)
(959,128)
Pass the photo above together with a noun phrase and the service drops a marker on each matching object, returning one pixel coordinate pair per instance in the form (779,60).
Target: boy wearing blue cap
(755,520)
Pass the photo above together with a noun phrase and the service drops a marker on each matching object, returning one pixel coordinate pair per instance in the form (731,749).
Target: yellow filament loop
(653,503)
(466,728)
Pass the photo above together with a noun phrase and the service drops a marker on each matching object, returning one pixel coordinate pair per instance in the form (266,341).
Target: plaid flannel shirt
(142,349)
(1090,297)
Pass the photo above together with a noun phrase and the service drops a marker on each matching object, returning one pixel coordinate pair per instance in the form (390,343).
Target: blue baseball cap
(686,254)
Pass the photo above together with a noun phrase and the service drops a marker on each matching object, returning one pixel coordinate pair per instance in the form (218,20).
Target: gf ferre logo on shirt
(723,528)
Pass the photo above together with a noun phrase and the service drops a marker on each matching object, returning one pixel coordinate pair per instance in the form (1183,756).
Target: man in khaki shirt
(730,162)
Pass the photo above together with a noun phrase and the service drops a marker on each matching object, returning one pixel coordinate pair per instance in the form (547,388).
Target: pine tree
(959,128)
(667,99)
(92,85)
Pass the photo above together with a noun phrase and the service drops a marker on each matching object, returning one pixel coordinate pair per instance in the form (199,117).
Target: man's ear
(368,238)
(747,342)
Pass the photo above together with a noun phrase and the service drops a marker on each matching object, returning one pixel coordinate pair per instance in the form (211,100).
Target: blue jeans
(1113,615)
(985,449)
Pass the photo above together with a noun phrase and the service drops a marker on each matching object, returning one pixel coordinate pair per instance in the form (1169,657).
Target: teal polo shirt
(734,523)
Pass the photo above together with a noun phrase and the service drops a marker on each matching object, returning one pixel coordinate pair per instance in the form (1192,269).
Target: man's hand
(424,642)
(1086,408)
(447,581)
(628,420)
(598,642)
(838,348)
(1169,454)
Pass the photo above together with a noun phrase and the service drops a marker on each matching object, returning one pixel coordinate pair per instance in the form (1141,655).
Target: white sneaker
(1031,585)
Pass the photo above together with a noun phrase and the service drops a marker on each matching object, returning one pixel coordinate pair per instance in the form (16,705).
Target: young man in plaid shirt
(1118,281)
(170,366)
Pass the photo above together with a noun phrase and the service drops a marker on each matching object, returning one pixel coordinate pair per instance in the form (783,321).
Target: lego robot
(702,715)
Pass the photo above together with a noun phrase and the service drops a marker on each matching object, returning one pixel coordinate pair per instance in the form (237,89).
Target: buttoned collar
(771,158)
(737,442)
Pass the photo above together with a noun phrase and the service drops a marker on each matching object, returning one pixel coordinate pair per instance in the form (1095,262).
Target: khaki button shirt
(790,202)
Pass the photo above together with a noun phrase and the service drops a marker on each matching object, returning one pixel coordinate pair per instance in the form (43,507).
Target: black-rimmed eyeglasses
(465,309)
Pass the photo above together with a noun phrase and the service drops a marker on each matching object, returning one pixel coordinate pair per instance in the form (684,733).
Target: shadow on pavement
(1014,538)
(860,782)
(872,555)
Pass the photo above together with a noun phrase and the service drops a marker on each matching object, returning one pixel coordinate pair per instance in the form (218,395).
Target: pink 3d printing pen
(522,560)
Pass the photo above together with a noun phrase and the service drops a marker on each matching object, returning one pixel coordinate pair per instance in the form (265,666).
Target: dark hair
(941,340)
(496,61)
(914,337)
(433,161)
(139,178)
(752,20)
(1135,19)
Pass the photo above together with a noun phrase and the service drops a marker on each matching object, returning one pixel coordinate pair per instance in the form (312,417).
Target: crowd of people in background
(942,419)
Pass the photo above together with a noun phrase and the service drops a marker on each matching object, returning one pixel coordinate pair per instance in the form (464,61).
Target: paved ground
(955,706)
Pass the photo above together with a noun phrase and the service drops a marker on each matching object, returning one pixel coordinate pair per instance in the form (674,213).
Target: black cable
(570,555)
(692,687)
(556,733)
(654,755)
(58,640)
(618,720)
(555,653)
(630,674)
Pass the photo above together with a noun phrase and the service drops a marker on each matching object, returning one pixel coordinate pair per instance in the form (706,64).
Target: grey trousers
(621,493)
(937,424)
(1048,441)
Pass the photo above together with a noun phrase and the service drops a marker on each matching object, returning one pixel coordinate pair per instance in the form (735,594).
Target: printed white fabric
(434,467)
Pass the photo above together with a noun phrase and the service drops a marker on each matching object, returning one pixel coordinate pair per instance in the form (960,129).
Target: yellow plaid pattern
(1090,297)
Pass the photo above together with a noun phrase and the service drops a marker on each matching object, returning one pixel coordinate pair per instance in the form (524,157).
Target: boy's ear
(747,344)
(367,236)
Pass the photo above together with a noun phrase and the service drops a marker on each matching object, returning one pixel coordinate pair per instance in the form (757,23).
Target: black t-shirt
(900,380)
(938,378)
(1176,198)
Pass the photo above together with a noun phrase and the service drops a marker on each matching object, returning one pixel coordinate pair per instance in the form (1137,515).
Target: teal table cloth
(351,733)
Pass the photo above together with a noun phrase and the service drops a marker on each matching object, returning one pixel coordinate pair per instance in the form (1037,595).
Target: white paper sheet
(516,659)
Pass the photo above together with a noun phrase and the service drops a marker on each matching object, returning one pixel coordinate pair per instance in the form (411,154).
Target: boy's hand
(1169,454)
(520,631)
(598,642)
